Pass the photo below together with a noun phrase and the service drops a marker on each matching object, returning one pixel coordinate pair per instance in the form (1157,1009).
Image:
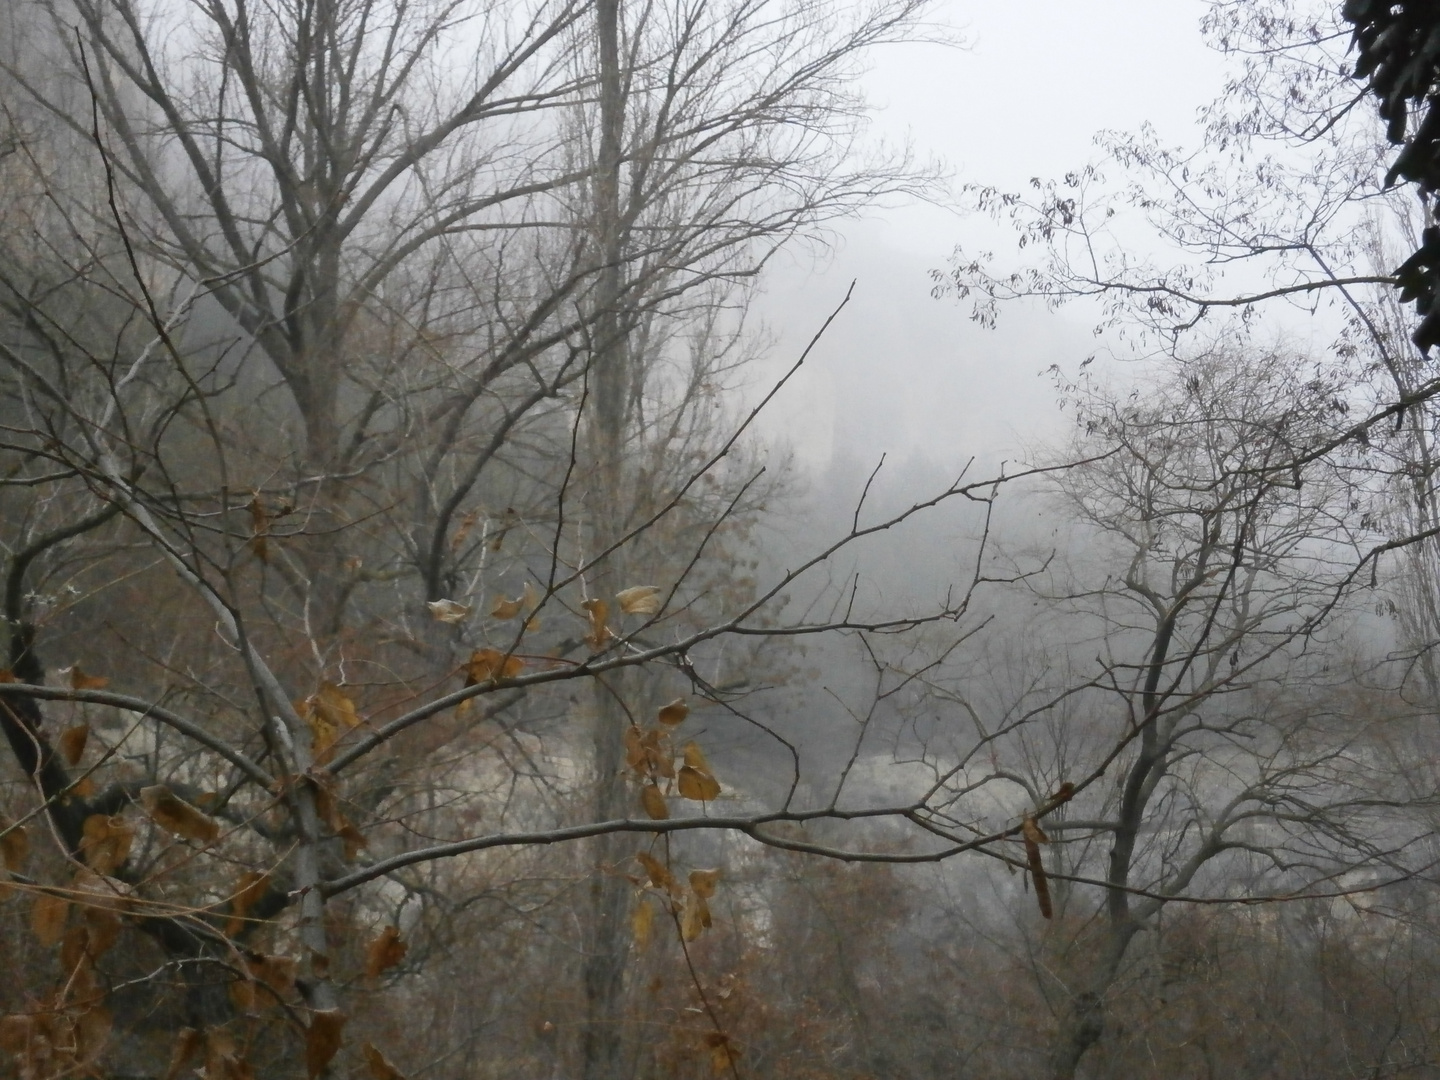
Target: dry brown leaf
(658,872)
(16,1033)
(322,1039)
(488,664)
(103,893)
(72,743)
(276,972)
(634,750)
(695,918)
(6,675)
(336,706)
(697,785)
(224,1059)
(600,632)
(448,611)
(379,1066)
(259,528)
(92,1032)
(639,600)
(102,928)
(654,802)
(466,526)
(48,915)
(175,815)
(14,844)
(703,882)
(1033,833)
(187,1044)
(659,755)
(507,609)
(384,952)
(242,996)
(695,757)
(251,887)
(83,788)
(641,921)
(1034,837)
(354,841)
(674,713)
(105,844)
(80,681)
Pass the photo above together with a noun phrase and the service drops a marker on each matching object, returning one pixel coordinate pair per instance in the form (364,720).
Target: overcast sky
(909,375)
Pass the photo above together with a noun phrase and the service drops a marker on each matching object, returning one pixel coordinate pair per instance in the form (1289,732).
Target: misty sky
(908,375)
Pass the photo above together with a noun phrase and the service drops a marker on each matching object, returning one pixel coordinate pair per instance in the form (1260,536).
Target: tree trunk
(608,939)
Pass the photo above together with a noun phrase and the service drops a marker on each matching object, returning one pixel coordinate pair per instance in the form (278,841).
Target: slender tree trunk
(608,939)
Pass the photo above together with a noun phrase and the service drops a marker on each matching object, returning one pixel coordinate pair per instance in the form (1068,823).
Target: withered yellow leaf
(634,749)
(674,713)
(507,609)
(695,918)
(697,785)
(654,802)
(175,815)
(384,952)
(81,681)
(488,664)
(703,882)
(695,757)
(600,632)
(379,1066)
(72,743)
(47,918)
(641,921)
(448,611)
(658,872)
(105,844)
(336,706)
(322,1039)
(639,600)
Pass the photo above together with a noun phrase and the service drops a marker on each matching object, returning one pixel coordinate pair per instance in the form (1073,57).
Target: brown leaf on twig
(48,915)
(80,681)
(248,890)
(654,802)
(105,844)
(639,600)
(486,665)
(448,611)
(1034,836)
(175,815)
(72,743)
(674,713)
(322,1040)
(599,615)
(14,844)
(384,952)
(379,1065)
